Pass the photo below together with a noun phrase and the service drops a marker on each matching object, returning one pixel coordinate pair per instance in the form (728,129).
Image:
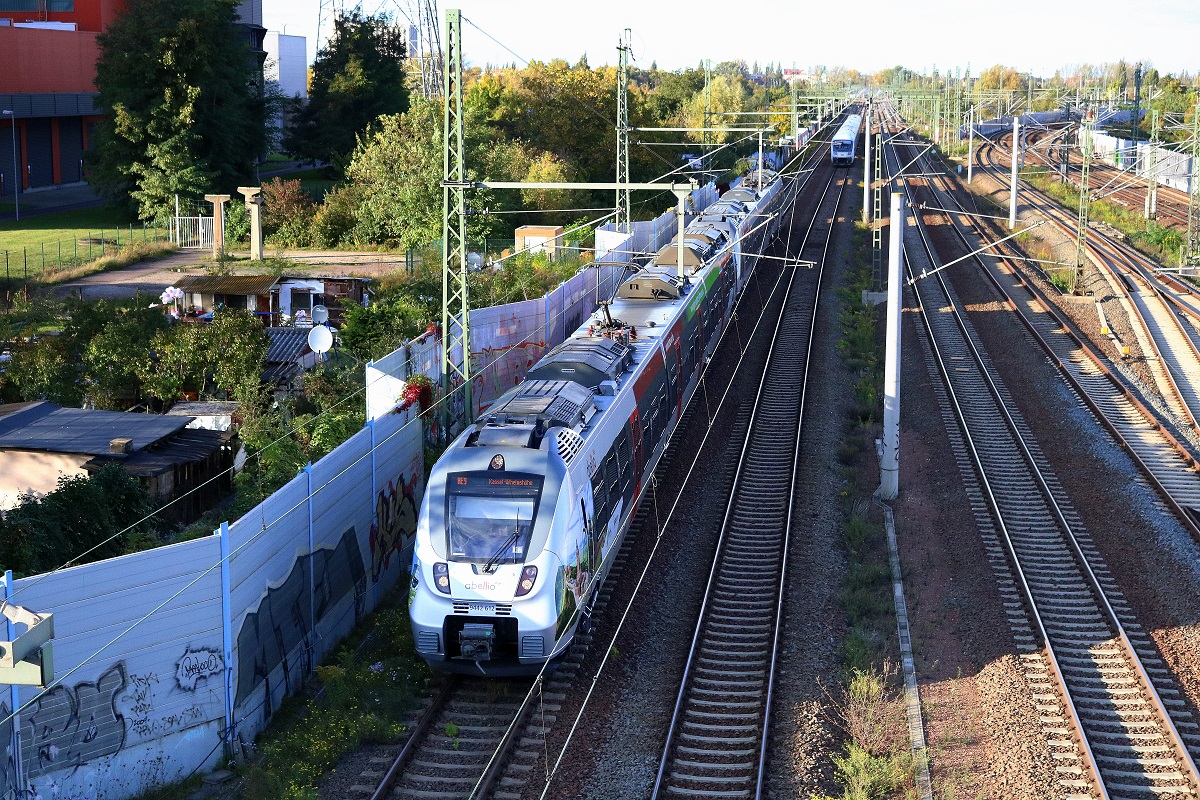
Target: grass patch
(1161,242)
(118,259)
(104,223)
(51,243)
(317,181)
(365,690)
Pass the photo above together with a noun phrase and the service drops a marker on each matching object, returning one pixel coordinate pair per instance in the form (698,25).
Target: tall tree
(184,113)
(357,77)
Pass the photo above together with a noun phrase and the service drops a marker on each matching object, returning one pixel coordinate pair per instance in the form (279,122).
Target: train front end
(483,596)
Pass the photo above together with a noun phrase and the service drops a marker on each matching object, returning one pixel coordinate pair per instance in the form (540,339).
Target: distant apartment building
(287,63)
(48,55)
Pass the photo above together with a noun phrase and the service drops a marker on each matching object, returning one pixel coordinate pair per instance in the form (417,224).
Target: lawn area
(315,181)
(71,237)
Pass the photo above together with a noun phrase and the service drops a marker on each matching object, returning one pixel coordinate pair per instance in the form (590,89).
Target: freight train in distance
(526,510)
(845,141)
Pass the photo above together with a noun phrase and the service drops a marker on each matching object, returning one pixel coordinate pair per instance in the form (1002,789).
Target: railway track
(1167,461)
(482,738)
(1112,715)
(716,744)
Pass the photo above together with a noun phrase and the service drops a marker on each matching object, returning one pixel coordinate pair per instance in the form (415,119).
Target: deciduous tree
(357,77)
(184,113)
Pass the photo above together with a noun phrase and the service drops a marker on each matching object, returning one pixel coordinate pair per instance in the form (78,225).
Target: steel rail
(1105,253)
(1124,431)
(1176,742)
(762,707)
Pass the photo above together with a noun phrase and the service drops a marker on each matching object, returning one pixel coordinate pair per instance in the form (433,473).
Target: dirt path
(151,277)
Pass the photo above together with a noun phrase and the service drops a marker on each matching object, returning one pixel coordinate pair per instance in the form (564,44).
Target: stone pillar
(218,201)
(254,204)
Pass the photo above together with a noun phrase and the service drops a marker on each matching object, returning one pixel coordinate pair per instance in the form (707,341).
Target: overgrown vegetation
(363,694)
(390,195)
(81,514)
(875,762)
(1161,242)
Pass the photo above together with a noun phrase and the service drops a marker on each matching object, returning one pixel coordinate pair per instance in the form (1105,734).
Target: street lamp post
(12,118)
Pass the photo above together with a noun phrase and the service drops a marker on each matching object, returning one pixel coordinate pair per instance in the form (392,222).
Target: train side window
(599,499)
(625,461)
(614,484)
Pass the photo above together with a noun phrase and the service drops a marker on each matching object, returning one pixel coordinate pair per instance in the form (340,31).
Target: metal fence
(35,262)
(192,233)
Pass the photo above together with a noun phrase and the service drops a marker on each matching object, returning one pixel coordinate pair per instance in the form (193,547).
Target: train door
(677,373)
(639,455)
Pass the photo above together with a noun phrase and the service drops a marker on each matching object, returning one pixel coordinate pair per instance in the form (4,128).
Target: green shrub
(83,512)
(867,777)
(335,218)
(287,213)
(363,700)
(237,223)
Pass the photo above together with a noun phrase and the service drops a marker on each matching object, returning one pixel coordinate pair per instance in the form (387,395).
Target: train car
(845,141)
(526,510)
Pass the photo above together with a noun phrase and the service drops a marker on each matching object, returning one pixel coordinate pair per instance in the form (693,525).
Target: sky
(868,35)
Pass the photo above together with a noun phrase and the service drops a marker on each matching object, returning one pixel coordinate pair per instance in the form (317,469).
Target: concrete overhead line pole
(1151,177)
(889,479)
(1012,184)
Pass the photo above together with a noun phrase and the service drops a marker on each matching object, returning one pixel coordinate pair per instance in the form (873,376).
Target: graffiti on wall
(269,641)
(395,523)
(498,369)
(197,664)
(10,782)
(70,726)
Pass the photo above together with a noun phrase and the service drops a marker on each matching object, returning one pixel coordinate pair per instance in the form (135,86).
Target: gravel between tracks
(1153,559)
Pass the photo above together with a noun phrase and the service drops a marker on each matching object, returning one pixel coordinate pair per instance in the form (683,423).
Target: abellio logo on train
(480,586)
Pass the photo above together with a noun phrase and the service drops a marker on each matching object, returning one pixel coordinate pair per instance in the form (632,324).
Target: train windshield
(489,515)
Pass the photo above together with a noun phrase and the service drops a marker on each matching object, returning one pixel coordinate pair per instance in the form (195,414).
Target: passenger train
(845,141)
(526,510)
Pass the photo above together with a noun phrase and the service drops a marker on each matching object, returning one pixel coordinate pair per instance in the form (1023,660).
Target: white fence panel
(398,486)
(269,597)
(143,711)
(341,520)
(505,342)
(192,233)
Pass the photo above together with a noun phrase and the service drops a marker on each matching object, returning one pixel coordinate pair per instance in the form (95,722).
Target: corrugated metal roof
(189,445)
(203,408)
(48,427)
(287,344)
(228,284)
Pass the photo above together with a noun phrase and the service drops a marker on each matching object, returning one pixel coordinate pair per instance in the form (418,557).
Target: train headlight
(441,577)
(528,579)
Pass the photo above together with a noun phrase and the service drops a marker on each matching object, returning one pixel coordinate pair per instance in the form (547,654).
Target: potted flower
(418,388)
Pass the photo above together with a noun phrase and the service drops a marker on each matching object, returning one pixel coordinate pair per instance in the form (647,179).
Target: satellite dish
(320,339)
(320,315)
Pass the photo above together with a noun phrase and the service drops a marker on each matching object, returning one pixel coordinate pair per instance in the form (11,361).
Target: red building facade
(48,53)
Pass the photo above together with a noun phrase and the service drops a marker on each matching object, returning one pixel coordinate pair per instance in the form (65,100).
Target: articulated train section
(608,556)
